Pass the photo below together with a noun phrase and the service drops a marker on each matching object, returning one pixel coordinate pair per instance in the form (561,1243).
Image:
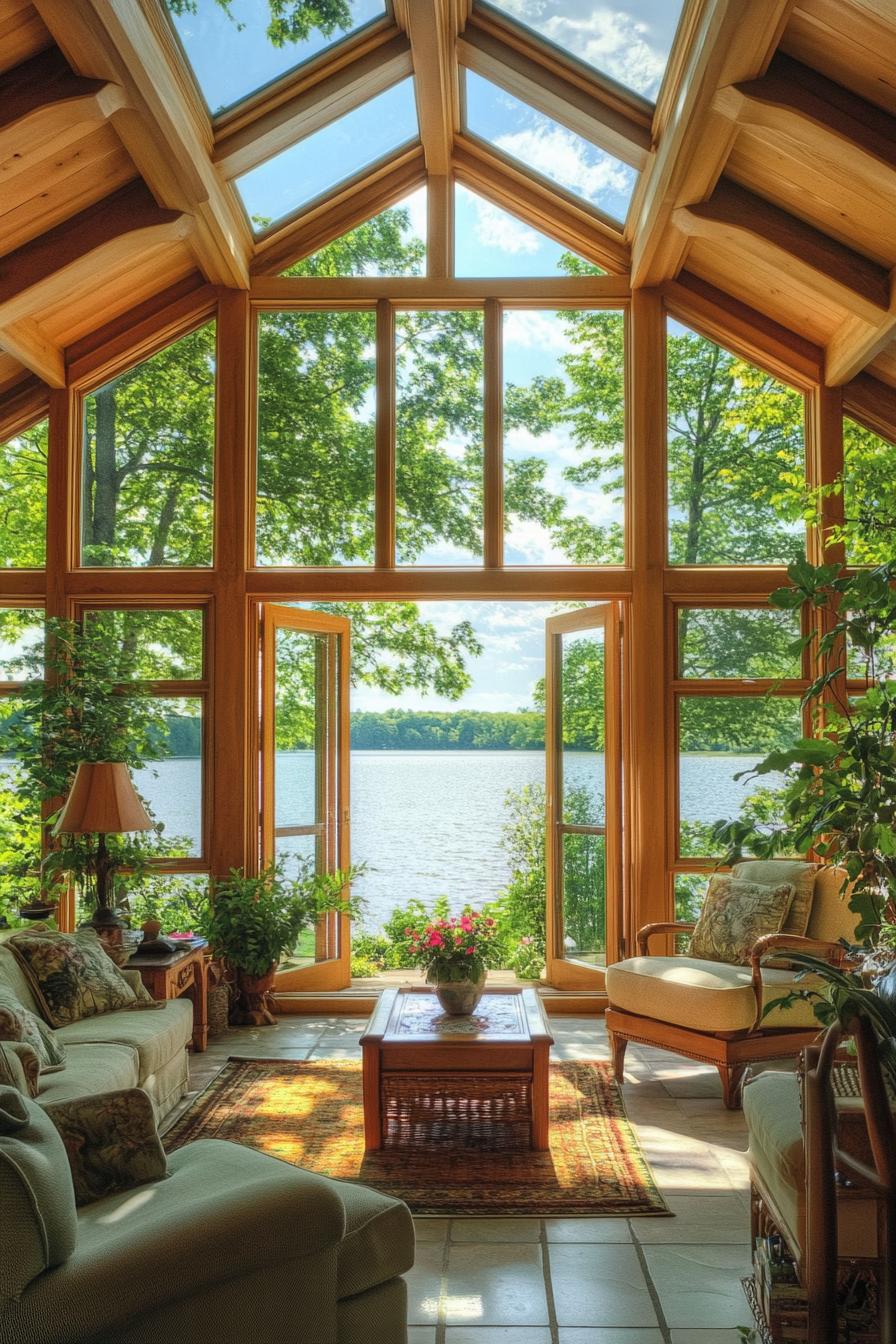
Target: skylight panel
(329,156)
(492,243)
(238,47)
(547,148)
(629,42)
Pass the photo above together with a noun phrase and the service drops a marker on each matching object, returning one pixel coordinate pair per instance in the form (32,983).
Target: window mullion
(493,436)
(385,435)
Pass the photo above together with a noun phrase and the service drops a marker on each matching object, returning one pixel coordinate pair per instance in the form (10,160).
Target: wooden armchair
(713,1011)
(823,1173)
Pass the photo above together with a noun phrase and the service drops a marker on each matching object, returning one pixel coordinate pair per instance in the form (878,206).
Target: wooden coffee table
(435,1080)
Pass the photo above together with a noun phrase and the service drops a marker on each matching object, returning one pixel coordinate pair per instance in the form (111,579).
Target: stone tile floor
(577,1281)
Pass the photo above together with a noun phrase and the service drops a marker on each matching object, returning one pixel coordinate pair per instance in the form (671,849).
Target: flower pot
(151,930)
(460,997)
(255,998)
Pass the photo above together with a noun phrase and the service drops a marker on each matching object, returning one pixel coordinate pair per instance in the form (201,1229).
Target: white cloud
(534,331)
(497,229)
(558,153)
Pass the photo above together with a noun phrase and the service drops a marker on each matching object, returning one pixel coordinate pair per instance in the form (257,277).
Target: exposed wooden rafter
(41,98)
(724,42)
(124,41)
(873,404)
(545,206)
(41,273)
(432,27)
(623,131)
(751,225)
(278,119)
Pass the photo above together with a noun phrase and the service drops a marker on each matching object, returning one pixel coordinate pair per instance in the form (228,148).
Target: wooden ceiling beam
(43,271)
(22,405)
(725,42)
(165,131)
(25,341)
(818,116)
(873,404)
(750,224)
(547,207)
(42,97)
(314,102)
(432,27)
(351,204)
(618,131)
(857,343)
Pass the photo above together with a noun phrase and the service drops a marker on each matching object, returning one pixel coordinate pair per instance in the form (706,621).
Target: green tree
(290,20)
(23,499)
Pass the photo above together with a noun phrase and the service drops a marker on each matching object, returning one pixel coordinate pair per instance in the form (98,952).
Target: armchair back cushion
(36,1194)
(801,876)
(831,917)
(735,913)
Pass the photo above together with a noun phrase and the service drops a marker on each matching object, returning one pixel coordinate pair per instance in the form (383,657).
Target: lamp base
(104,917)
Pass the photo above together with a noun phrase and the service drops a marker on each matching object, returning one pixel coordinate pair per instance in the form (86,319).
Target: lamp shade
(103,801)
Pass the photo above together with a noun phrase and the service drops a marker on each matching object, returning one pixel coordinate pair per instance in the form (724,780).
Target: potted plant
(839,799)
(455,953)
(255,919)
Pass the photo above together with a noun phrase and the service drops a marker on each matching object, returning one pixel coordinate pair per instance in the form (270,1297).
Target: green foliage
(840,796)
(520,911)
(23,499)
(290,20)
(254,920)
(460,730)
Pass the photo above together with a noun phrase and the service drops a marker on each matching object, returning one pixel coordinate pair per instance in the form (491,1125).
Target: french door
(305,772)
(583,763)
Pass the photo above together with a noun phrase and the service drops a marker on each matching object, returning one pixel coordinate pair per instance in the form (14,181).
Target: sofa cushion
(156,1036)
(703,995)
(378,1241)
(800,875)
(71,975)
(12,977)
(90,1069)
(771,1104)
(734,914)
(18,1023)
(36,1195)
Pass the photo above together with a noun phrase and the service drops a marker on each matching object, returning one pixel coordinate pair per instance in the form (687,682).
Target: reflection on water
(430,822)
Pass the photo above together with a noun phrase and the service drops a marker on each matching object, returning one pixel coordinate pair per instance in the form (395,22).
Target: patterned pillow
(70,975)
(111,1142)
(19,1068)
(735,913)
(18,1023)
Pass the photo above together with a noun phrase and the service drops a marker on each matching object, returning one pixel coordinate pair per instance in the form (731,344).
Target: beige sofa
(115,1050)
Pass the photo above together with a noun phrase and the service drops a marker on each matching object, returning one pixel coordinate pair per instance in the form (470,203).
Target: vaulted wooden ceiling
(767,168)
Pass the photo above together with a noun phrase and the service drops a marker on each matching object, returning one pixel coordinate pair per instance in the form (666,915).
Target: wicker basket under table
(431,1080)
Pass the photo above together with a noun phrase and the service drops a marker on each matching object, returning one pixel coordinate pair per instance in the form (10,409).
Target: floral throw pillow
(70,975)
(111,1142)
(18,1023)
(735,913)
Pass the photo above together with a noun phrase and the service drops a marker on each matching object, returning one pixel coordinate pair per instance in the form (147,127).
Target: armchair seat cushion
(705,996)
(156,1034)
(378,1242)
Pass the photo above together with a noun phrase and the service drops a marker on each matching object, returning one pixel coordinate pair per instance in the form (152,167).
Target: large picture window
(147,463)
(736,458)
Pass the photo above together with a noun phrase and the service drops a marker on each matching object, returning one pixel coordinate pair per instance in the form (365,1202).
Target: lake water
(430,822)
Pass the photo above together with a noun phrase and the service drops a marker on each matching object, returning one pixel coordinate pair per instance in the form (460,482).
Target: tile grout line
(553,1325)
(442,1311)
(651,1289)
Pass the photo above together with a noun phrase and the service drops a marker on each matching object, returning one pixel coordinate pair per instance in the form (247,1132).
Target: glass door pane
(305,776)
(584,795)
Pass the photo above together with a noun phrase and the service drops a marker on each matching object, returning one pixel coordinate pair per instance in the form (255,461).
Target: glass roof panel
(547,148)
(329,156)
(237,46)
(391,243)
(490,242)
(629,42)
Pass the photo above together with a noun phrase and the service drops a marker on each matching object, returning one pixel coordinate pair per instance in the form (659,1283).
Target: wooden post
(651,845)
(439,227)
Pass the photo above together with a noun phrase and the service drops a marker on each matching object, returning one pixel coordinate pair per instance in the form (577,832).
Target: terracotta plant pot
(460,997)
(255,998)
(151,930)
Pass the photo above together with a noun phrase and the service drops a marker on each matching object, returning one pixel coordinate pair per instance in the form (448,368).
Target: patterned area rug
(310,1113)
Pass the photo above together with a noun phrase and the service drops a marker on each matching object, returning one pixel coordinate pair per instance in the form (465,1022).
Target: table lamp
(103,801)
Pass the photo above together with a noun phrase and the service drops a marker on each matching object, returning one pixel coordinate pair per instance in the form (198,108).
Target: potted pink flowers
(455,954)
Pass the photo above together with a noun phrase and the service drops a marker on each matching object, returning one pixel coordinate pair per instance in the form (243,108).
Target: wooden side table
(172,974)
(432,1078)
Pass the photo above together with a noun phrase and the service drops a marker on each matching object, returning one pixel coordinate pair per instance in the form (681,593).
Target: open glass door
(305,773)
(584,796)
